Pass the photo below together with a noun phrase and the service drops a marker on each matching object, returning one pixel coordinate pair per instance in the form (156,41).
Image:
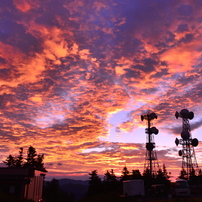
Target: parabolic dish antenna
(194,142)
(184,113)
(191,115)
(153,115)
(180,152)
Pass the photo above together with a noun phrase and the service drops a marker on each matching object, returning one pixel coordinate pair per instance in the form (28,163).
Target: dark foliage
(33,160)
(95,184)
(136,174)
(19,159)
(125,174)
(110,182)
(53,193)
(10,161)
(183,174)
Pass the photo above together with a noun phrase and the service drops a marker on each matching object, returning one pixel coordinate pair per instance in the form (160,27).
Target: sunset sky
(76,75)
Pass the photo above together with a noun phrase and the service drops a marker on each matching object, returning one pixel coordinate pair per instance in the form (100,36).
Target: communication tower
(151,160)
(189,163)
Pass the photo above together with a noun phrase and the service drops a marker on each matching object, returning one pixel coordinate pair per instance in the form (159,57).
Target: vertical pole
(150,152)
(187,158)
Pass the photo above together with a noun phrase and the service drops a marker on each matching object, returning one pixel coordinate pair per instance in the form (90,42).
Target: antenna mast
(187,153)
(151,155)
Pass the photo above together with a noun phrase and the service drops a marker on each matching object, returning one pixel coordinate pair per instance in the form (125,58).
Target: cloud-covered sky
(76,75)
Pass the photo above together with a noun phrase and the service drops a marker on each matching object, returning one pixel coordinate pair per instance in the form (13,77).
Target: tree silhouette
(10,161)
(51,190)
(198,179)
(192,173)
(110,176)
(110,181)
(33,160)
(39,160)
(161,177)
(15,161)
(200,172)
(53,193)
(165,172)
(19,159)
(95,183)
(183,174)
(160,173)
(125,174)
(136,174)
(146,173)
(148,179)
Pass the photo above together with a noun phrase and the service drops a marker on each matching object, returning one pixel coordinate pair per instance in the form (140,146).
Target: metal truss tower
(151,160)
(189,163)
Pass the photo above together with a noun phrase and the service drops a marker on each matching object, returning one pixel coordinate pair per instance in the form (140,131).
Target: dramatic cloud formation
(76,76)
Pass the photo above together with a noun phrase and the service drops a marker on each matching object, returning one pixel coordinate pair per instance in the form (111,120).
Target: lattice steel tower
(189,163)
(151,160)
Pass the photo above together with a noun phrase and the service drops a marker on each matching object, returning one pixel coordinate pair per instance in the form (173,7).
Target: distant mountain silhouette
(67,181)
(76,187)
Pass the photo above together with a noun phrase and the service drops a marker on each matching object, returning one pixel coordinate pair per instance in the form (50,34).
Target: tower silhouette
(189,162)
(151,160)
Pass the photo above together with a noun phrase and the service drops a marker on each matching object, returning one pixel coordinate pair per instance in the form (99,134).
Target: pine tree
(110,181)
(136,174)
(10,161)
(165,172)
(148,180)
(19,159)
(125,174)
(146,173)
(95,183)
(33,160)
(183,174)
(52,192)
(160,173)
(110,176)
(200,172)
(192,172)
(160,177)
(31,157)
(39,161)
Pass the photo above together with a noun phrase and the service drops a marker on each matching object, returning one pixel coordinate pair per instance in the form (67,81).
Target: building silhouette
(23,182)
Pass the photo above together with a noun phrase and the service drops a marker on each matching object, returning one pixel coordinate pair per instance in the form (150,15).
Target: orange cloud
(66,68)
(23,5)
(181,59)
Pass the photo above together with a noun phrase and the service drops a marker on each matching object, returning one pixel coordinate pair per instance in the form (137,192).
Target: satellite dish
(180,152)
(184,113)
(157,131)
(154,130)
(150,146)
(185,135)
(191,115)
(142,117)
(177,141)
(153,115)
(177,114)
(194,142)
